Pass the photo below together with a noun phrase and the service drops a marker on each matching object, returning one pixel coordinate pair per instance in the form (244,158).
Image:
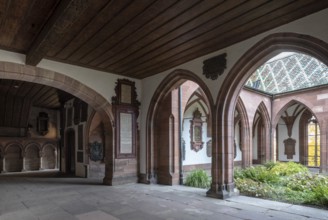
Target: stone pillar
(23,156)
(109,154)
(40,158)
(323,146)
(3,163)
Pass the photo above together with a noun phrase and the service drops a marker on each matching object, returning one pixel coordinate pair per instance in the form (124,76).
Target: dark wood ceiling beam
(242,16)
(134,25)
(32,23)
(87,25)
(12,21)
(119,21)
(65,15)
(267,22)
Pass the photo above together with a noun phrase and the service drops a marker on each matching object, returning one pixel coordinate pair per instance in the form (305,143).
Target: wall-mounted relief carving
(183,149)
(196,131)
(214,67)
(290,147)
(209,148)
(96,151)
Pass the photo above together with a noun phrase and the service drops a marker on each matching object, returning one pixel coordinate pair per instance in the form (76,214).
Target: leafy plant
(288,182)
(199,179)
(289,168)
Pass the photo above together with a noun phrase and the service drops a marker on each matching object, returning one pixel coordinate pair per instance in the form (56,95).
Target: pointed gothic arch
(264,151)
(222,179)
(245,133)
(165,170)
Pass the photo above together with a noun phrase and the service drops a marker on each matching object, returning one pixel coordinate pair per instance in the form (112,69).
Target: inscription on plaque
(126,133)
(126,93)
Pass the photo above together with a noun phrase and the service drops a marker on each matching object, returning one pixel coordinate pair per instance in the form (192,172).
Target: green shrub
(288,182)
(199,179)
(320,196)
(289,168)
(257,173)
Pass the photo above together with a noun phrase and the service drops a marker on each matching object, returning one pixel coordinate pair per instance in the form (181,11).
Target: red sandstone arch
(245,133)
(266,151)
(222,176)
(174,79)
(60,81)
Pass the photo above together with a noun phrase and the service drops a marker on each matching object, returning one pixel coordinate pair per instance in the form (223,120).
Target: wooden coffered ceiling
(137,38)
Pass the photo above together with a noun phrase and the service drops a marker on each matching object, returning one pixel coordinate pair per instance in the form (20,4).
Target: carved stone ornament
(196,131)
(183,150)
(96,151)
(214,67)
(290,147)
(209,148)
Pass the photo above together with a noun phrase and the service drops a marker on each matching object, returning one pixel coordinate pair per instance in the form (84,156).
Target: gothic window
(313,135)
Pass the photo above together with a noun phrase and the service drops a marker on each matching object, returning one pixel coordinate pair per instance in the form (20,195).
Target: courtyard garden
(287,182)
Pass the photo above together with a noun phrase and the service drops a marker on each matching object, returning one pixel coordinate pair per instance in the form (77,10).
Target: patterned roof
(288,72)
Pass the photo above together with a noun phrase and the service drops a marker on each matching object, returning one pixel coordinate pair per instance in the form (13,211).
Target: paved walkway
(45,198)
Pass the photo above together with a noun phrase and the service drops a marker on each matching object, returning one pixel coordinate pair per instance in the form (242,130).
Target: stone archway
(245,133)
(60,81)
(169,173)
(223,183)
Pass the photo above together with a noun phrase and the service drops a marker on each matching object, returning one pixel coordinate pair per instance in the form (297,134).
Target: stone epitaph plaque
(126,109)
(126,94)
(126,136)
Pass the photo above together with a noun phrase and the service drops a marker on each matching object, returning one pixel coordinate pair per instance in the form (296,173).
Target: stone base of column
(142,178)
(222,192)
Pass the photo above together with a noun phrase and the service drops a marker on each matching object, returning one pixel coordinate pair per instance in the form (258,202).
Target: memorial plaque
(126,93)
(126,143)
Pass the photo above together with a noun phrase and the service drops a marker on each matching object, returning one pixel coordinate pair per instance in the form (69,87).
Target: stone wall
(28,154)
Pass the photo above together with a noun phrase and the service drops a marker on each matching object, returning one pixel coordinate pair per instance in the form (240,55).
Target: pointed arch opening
(223,183)
(178,93)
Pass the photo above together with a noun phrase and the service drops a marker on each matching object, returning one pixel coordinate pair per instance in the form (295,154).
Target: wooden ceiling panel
(266,22)
(112,27)
(172,43)
(39,95)
(174,27)
(78,32)
(135,24)
(244,14)
(32,23)
(92,28)
(118,51)
(137,38)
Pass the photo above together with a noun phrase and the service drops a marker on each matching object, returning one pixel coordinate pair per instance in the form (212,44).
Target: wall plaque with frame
(126,109)
(196,131)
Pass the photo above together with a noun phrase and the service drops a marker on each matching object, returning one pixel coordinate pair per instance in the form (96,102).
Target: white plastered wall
(192,157)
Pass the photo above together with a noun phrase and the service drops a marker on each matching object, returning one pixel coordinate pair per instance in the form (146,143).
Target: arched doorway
(223,183)
(163,127)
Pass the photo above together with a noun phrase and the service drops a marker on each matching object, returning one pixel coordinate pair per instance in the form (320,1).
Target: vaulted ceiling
(137,38)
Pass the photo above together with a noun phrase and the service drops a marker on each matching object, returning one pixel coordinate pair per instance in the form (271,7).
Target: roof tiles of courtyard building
(288,71)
